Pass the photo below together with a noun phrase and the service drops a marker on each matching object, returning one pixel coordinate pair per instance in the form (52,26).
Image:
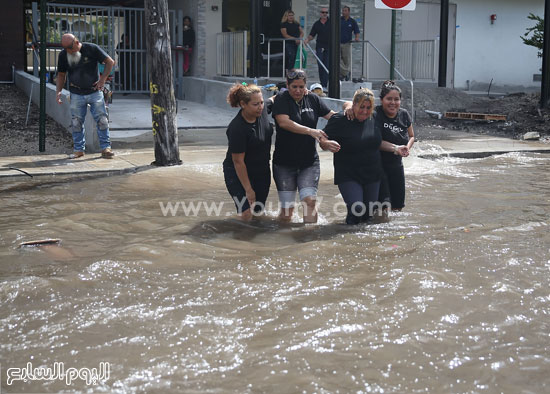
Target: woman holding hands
(356,145)
(395,126)
(246,165)
(295,160)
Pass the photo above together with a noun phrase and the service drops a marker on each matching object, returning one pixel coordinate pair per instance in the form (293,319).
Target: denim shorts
(288,179)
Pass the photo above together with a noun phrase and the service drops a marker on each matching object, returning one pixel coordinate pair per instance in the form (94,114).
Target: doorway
(236,16)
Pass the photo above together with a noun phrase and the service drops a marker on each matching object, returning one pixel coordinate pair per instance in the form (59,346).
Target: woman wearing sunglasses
(295,160)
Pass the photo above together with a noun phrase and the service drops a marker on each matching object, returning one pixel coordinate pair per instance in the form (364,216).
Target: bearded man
(80,60)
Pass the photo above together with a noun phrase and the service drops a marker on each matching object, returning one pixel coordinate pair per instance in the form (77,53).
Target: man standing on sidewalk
(348,26)
(321,29)
(80,60)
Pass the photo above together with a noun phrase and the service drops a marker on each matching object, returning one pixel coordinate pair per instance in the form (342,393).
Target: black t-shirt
(252,139)
(292,29)
(291,149)
(358,159)
(188,37)
(393,130)
(84,74)
(322,31)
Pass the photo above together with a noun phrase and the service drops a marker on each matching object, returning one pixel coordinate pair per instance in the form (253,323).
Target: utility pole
(161,84)
(255,52)
(443,42)
(42,119)
(334,50)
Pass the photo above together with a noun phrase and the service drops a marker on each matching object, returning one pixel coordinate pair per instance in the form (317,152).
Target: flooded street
(450,295)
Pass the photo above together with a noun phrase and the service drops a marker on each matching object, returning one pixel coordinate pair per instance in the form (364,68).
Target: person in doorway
(290,28)
(395,126)
(321,30)
(188,43)
(356,145)
(80,61)
(246,166)
(348,28)
(295,159)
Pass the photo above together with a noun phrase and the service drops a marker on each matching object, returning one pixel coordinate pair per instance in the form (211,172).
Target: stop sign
(408,5)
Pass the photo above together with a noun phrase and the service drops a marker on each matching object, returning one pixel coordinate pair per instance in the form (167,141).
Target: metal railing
(106,27)
(417,59)
(231,53)
(395,69)
(269,56)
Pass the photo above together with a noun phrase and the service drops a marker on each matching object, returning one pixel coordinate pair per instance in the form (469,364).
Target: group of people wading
(368,145)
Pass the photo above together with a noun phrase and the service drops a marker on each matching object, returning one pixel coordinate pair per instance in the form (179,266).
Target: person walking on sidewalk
(321,29)
(348,27)
(80,61)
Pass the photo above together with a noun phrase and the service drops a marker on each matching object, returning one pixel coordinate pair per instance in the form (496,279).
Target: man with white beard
(80,60)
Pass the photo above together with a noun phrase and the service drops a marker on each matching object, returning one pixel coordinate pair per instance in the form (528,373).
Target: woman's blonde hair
(241,92)
(363,94)
(284,19)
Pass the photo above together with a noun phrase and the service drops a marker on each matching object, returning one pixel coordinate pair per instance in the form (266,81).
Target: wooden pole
(42,119)
(161,85)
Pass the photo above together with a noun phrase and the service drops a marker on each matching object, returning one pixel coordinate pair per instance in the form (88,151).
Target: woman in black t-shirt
(246,165)
(395,125)
(295,160)
(290,28)
(356,145)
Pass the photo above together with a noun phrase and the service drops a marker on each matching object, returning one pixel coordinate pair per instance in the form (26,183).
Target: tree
(537,31)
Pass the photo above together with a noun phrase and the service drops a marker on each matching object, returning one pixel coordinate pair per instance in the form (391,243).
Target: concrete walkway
(208,146)
(130,116)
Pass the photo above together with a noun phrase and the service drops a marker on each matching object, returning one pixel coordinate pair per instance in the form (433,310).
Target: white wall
(213,25)
(300,10)
(485,51)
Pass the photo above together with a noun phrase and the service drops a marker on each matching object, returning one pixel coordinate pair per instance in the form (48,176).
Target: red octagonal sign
(396,3)
(409,5)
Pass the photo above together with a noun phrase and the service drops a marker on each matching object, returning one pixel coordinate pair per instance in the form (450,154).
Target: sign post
(405,5)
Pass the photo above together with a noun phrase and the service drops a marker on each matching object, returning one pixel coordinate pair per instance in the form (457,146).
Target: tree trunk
(163,102)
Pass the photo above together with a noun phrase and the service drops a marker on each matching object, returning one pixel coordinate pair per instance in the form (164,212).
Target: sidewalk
(208,146)
(130,116)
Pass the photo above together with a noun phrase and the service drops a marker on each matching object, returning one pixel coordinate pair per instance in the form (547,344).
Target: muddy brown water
(451,295)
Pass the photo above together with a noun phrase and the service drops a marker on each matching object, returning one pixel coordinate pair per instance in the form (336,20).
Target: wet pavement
(201,133)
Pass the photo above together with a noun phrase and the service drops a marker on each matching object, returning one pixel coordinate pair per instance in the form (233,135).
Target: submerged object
(39,242)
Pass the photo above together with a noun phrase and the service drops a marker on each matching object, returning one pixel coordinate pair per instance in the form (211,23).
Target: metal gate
(119,31)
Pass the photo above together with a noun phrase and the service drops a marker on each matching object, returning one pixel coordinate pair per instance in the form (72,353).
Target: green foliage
(534,36)
(102,31)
